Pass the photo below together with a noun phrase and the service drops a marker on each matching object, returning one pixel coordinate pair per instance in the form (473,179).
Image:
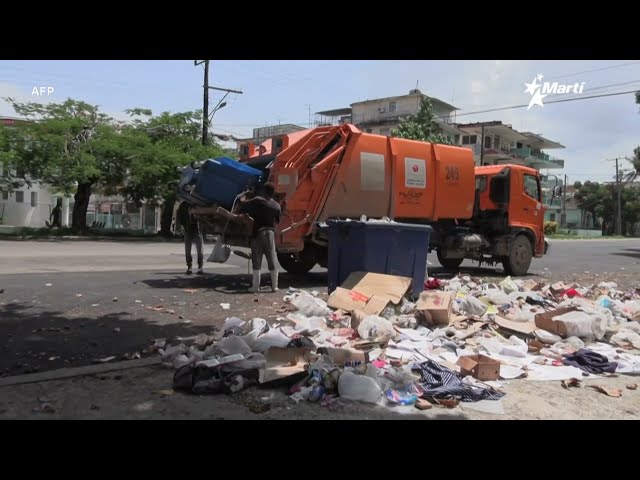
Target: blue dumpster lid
(381,225)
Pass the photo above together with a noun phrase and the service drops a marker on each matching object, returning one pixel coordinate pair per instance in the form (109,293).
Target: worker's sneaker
(189,272)
(200,271)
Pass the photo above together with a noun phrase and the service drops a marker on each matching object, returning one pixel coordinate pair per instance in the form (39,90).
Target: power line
(477,112)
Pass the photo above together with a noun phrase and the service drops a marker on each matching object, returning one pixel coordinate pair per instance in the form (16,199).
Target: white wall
(369,111)
(24,214)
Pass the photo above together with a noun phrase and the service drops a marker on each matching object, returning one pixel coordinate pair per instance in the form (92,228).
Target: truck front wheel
(449,263)
(519,259)
(299,263)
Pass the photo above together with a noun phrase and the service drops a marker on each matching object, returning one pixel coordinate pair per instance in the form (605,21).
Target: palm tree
(633,174)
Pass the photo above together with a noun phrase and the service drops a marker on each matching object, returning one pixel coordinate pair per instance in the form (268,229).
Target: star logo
(533,89)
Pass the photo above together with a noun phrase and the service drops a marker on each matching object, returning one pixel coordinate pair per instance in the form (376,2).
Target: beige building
(382,115)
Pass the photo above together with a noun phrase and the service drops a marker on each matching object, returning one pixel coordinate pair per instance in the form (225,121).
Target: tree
(162,143)
(70,146)
(601,200)
(421,126)
(631,175)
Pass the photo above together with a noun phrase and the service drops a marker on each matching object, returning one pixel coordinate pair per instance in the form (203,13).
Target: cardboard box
(438,304)
(369,292)
(479,366)
(545,321)
(284,362)
(531,285)
(342,355)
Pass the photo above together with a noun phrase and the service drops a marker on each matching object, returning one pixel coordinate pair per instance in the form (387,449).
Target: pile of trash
(460,341)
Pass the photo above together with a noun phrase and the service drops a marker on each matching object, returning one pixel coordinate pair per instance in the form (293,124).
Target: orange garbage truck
(490,214)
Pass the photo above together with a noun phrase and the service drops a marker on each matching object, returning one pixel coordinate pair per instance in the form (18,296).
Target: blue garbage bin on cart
(378,247)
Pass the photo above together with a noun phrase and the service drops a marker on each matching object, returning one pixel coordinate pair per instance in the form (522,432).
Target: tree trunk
(79,216)
(166,219)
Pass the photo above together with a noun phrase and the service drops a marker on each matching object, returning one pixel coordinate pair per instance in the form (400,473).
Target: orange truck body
(481,213)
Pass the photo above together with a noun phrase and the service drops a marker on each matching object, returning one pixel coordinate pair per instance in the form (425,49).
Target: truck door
(533,210)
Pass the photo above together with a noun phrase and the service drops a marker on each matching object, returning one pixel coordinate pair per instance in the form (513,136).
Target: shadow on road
(237,283)
(628,252)
(40,341)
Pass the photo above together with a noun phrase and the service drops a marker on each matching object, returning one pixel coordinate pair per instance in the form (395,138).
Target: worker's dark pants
(264,245)
(189,237)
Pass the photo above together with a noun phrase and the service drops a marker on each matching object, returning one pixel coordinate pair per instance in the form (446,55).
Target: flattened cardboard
(545,321)
(438,304)
(479,366)
(526,328)
(369,292)
(284,362)
(531,285)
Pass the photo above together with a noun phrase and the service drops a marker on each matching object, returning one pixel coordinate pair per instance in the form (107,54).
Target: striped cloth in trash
(441,383)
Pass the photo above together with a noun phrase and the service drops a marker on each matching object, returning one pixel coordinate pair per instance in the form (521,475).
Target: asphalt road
(72,303)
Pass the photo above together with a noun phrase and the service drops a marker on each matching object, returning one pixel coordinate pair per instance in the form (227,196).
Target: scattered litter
(45,408)
(47,284)
(138,301)
(166,392)
(190,290)
(78,294)
(115,299)
(94,407)
(632,386)
(117,329)
(572,382)
(370,343)
(104,360)
(611,392)
(95,305)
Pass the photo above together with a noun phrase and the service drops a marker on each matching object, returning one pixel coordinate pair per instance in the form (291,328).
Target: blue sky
(281,92)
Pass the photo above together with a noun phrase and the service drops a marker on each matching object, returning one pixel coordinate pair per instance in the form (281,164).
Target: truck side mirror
(557,191)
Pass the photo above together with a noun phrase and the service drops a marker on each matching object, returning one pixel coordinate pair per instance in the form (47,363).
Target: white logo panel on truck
(415,173)
(372,175)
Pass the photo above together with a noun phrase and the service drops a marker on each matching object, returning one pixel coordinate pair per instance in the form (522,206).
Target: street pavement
(72,303)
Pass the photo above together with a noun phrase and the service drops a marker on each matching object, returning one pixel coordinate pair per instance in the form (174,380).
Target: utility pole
(482,145)
(564,203)
(619,195)
(619,208)
(205,100)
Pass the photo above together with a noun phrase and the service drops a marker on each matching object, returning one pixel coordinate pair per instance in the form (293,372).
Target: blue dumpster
(220,180)
(378,247)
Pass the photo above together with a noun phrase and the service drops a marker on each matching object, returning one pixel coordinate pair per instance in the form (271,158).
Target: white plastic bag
(310,306)
(220,252)
(360,388)
(373,326)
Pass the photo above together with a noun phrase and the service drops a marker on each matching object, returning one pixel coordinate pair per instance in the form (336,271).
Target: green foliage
(74,148)
(422,126)
(158,145)
(550,228)
(600,201)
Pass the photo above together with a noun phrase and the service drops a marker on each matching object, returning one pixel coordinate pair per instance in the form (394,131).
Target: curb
(64,373)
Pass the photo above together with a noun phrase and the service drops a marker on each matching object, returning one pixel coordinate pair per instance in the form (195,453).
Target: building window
(456,139)
(34,199)
(5,195)
(531,187)
(552,217)
(487,142)
(518,145)
(384,131)
(5,171)
(19,197)
(469,139)
(392,107)
(368,130)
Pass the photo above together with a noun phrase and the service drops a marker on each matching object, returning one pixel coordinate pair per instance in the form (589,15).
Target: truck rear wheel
(299,263)
(519,259)
(449,263)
